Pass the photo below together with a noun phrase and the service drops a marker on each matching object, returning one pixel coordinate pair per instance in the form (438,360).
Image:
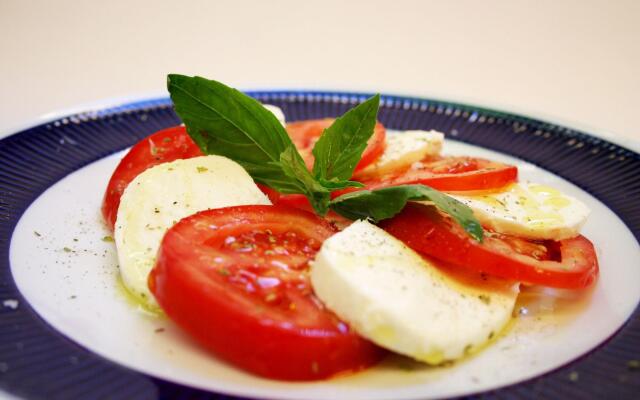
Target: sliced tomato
(272,194)
(451,174)
(295,200)
(301,202)
(163,146)
(443,173)
(570,263)
(305,134)
(237,280)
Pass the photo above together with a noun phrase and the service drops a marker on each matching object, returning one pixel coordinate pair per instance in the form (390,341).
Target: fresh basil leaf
(340,147)
(335,184)
(223,121)
(384,203)
(295,168)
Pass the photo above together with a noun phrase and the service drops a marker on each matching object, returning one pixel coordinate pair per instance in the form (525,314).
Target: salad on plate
(304,250)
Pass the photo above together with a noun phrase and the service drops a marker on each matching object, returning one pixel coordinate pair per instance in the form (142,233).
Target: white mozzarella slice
(393,297)
(403,149)
(277,112)
(162,195)
(529,210)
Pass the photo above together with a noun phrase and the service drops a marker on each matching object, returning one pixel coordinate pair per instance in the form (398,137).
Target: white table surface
(570,62)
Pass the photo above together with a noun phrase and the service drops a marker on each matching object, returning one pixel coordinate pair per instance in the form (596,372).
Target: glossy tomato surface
(163,146)
(451,174)
(237,280)
(301,202)
(444,173)
(570,263)
(305,134)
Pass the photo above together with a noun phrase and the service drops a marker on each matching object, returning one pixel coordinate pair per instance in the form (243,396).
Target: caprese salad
(303,250)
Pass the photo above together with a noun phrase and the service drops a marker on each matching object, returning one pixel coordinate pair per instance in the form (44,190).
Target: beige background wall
(575,62)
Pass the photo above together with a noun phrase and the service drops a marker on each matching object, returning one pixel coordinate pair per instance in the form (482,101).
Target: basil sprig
(341,145)
(223,121)
(384,203)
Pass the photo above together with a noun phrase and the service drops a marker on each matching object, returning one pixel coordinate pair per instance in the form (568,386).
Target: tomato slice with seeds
(305,134)
(570,263)
(301,202)
(451,174)
(236,279)
(163,146)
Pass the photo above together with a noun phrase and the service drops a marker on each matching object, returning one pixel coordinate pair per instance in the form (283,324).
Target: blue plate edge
(388,100)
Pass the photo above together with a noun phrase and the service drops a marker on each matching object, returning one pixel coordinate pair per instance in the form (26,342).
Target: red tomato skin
(301,202)
(304,135)
(426,231)
(231,328)
(295,200)
(475,179)
(480,175)
(163,146)
(272,194)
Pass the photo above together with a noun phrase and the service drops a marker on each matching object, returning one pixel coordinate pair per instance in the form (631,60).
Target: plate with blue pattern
(68,329)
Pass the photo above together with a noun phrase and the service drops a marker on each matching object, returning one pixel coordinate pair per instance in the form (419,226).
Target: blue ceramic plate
(37,361)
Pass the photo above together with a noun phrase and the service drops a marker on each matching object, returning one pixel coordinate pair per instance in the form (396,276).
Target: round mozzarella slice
(162,195)
(529,210)
(277,112)
(398,300)
(403,149)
